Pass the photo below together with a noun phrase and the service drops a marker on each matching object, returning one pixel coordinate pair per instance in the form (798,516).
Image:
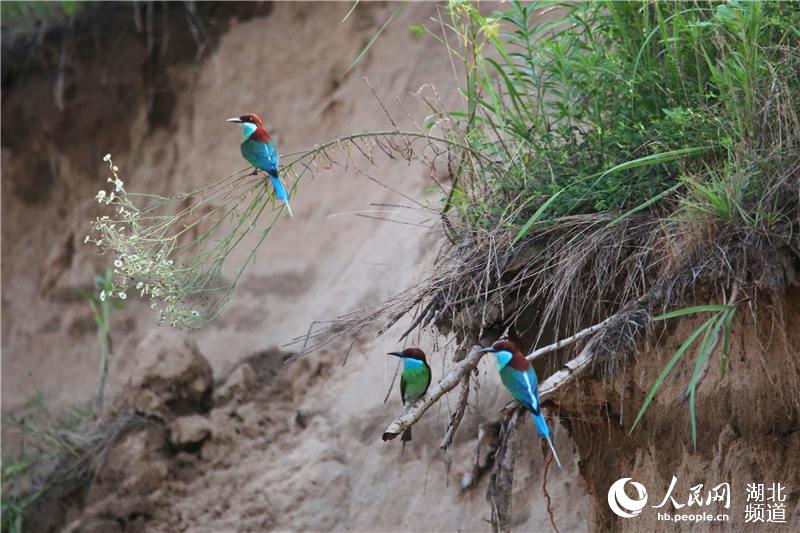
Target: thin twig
(455,419)
(498,493)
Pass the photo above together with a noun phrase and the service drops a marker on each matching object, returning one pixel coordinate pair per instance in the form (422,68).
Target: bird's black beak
(489,349)
(397,354)
(235,120)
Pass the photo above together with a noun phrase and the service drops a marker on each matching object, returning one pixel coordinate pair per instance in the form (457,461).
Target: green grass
(103,302)
(609,104)
(56,450)
(720,322)
(46,440)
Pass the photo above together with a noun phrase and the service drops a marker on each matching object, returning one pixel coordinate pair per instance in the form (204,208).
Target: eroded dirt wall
(747,423)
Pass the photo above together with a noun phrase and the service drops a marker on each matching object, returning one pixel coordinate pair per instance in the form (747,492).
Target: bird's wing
(532,385)
(522,387)
(402,388)
(261,155)
(430,374)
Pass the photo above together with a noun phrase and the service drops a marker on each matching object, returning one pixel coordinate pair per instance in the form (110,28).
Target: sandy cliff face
(747,424)
(271,446)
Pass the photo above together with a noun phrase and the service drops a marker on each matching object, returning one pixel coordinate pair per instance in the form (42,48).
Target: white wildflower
(102,296)
(101,195)
(118,263)
(122,295)
(107,157)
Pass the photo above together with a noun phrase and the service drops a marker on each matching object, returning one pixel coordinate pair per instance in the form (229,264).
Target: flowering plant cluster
(172,249)
(169,249)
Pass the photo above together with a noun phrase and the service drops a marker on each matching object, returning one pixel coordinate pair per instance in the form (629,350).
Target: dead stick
(569,371)
(455,420)
(569,340)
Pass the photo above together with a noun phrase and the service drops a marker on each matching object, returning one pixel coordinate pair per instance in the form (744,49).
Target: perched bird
(414,380)
(259,150)
(520,380)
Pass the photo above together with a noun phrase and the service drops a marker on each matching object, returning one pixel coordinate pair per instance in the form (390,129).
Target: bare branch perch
(446,384)
(569,340)
(570,370)
(548,387)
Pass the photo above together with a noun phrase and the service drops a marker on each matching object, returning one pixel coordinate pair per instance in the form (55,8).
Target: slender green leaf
(691,310)
(656,159)
(644,205)
(374,38)
(672,362)
(704,353)
(726,341)
(535,217)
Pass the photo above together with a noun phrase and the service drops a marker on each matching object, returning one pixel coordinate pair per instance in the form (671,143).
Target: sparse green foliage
(45,440)
(417,30)
(603,106)
(719,324)
(173,249)
(102,302)
(19,15)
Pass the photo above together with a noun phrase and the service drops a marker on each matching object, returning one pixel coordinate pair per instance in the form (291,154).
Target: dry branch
(570,370)
(455,419)
(569,340)
(445,385)
(499,491)
(461,371)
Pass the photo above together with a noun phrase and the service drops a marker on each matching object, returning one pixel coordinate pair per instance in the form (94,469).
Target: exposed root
(547,494)
(499,491)
(458,414)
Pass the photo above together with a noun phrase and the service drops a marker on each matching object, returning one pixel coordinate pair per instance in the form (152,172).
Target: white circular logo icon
(621,504)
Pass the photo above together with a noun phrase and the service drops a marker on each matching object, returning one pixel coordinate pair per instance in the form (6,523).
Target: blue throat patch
(410,364)
(248,129)
(503,358)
